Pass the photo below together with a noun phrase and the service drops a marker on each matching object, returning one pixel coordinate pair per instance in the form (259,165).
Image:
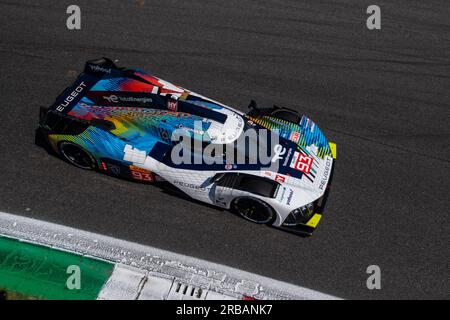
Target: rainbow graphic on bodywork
(304,134)
(133,108)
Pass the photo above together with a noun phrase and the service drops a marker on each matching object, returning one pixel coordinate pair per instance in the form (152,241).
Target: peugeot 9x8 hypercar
(130,124)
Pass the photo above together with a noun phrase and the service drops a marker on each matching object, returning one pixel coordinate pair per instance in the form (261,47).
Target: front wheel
(76,155)
(254,210)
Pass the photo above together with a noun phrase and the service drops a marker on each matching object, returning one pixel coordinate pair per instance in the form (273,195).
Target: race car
(130,124)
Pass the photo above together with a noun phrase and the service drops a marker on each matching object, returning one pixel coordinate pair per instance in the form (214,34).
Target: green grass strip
(41,272)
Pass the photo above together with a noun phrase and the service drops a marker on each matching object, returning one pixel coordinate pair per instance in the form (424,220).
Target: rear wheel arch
(76,155)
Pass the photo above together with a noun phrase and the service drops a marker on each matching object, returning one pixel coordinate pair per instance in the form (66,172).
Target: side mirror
(252,105)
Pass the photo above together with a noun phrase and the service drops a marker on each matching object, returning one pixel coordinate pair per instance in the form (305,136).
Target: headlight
(299,215)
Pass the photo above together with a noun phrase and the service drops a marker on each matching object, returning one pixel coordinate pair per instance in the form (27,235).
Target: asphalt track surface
(382,96)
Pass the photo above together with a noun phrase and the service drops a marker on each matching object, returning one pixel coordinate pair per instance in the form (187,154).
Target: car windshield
(263,187)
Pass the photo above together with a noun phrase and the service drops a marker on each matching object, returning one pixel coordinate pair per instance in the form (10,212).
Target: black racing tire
(287,115)
(76,155)
(254,210)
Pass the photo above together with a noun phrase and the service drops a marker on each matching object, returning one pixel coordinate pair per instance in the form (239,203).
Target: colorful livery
(130,124)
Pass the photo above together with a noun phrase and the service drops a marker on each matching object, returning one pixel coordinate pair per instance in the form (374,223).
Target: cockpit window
(253,184)
(261,186)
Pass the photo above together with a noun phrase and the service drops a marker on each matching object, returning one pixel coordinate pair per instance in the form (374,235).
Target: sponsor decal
(138,169)
(295,136)
(172,105)
(287,157)
(279,151)
(302,163)
(111,98)
(115,99)
(326,174)
(289,197)
(71,97)
(279,178)
(228,166)
(189,185)
(113,168)
(99,68)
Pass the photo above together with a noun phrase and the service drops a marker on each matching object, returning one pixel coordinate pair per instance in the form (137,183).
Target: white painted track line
(214,280)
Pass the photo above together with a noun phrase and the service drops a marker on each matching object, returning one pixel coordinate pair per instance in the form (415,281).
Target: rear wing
(104,69)
(94,70)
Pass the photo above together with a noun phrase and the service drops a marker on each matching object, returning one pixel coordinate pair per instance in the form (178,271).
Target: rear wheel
(254,210)
(76,155)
